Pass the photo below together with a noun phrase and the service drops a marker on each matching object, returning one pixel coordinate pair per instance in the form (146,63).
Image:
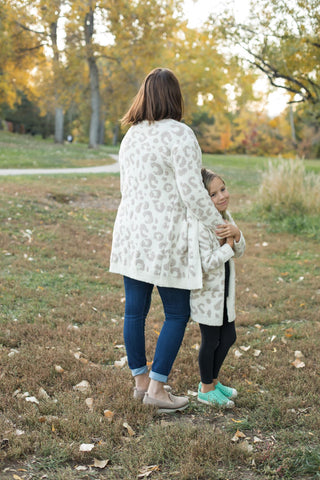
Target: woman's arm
(230,229)
(187,161)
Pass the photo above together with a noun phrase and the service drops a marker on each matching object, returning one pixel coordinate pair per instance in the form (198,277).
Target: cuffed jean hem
(158,376)
(139,371)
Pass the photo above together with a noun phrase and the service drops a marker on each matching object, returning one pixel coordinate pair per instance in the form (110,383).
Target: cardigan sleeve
(186,162)
(212,257)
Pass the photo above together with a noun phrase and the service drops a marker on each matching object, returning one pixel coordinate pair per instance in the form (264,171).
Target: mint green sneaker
(227,391)
(215,398)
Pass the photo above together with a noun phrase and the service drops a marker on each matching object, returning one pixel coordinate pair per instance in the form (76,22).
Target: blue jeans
(176,304)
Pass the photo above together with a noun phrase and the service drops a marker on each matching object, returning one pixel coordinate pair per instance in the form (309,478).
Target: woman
(160,178)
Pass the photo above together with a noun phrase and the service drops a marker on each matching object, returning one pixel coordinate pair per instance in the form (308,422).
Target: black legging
(216,342)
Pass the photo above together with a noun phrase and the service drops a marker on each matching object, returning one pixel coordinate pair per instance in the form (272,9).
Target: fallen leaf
(32,400)
(245,349)
(237,436)
(192,393)
(108,414)
(256,353)
(121,363)
(129,429)
(83,387)
(43,394)
(89,403)
(289,332)
(237,354)
(81,468)
(16,477)
(100,463)
(245,445)
(298,364)
(86,447)
(257,440)
(58,369)
(145,472)
(298,354)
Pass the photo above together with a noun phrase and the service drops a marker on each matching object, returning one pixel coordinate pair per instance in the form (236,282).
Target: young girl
(213,306)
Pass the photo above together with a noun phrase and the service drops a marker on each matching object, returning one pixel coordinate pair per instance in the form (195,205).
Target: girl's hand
(228,230)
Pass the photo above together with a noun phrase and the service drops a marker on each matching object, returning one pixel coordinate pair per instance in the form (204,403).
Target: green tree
(20,50)
(281,39)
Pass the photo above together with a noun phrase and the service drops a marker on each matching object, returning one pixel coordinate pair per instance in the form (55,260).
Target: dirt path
(113,168)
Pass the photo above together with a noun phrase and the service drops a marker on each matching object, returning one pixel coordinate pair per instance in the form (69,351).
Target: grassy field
(25,151)
(61,324)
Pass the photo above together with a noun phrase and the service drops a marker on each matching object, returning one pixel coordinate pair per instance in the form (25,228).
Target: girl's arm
(212,256)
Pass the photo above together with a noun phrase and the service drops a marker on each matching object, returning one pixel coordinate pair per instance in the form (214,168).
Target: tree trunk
(94,81)
(58,125)
(293,130)
(95,104)
(101,139)
(116,134)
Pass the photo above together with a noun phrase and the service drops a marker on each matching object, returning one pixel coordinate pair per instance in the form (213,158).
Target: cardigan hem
(170,282)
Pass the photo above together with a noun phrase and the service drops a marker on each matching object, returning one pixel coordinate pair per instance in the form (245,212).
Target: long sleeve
(186,162)
(212,256)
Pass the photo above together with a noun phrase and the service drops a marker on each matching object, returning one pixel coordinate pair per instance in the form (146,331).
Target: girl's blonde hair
(207,177)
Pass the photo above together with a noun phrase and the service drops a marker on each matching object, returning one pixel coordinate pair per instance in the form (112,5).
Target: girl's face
(219,194)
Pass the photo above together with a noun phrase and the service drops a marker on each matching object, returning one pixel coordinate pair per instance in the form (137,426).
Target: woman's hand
(228,230)
(230,241)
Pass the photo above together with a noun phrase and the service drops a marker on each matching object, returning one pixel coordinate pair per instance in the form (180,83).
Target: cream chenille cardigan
(160,180)
(207,303)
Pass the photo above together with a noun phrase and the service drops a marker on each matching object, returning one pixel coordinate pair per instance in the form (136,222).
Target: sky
(198,11)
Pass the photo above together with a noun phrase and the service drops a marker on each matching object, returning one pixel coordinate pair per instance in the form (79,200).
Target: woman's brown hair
(159,97)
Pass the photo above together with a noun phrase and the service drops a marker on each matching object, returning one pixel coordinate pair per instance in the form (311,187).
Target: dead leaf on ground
(100,463)
(237,436)
(298,354)
(89,403)
(121,363)
(58,369)
(145,472)
(108,414)
(83,387)
(129,429)
(86,447)
(298,364)
(245,349)
(245,445)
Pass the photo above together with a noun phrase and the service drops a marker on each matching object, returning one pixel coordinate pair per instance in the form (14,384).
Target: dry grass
(287,189)
(58,300)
